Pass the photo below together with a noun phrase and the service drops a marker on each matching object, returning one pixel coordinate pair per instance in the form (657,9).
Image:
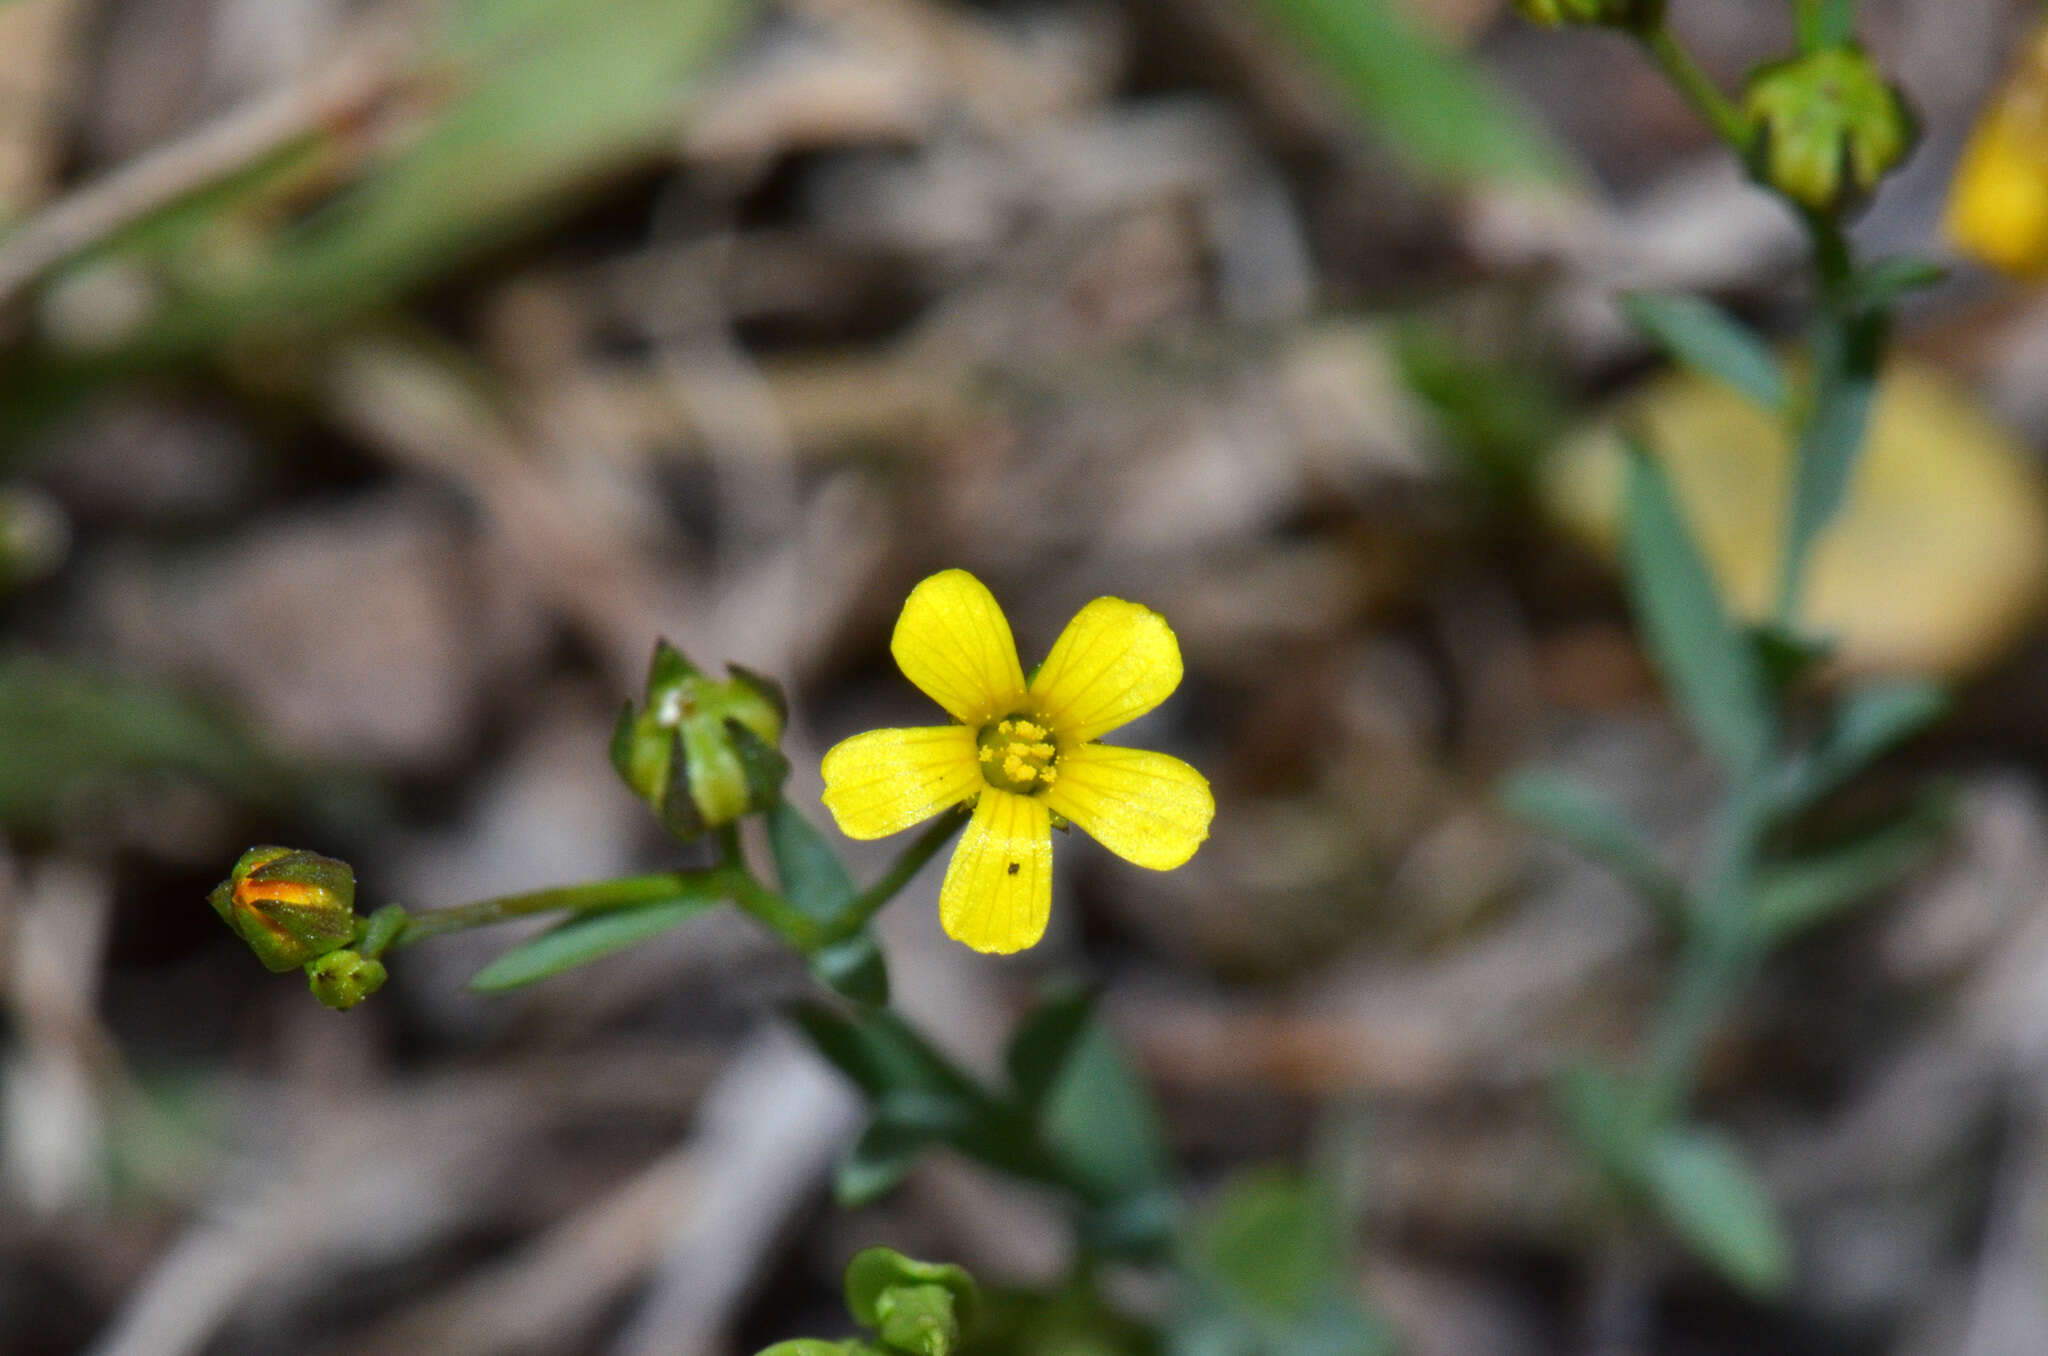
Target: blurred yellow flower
(1023,754)
(1998,205)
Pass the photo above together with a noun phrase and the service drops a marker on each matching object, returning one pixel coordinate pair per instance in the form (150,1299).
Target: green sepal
(668,667)
(761,763)
(678,810)
(764,687)
(289,905)
(375,934)
(625,740)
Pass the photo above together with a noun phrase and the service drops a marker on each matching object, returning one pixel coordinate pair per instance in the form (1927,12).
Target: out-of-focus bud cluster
(702,751)
(290,906)
(913,1308)
(1998,205)
(1606,13)
(1825,127)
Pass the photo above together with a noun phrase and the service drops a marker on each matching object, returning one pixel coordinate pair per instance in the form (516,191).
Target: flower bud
(1606,13)
(1826,126)
(342,979)
(289,906)
(702,751)
(912,1306)
(1998,204)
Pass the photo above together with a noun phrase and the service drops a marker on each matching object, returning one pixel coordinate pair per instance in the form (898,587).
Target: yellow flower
(1022,754)
(1998,204)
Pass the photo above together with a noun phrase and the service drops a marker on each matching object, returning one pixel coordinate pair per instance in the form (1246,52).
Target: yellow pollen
(1017,754)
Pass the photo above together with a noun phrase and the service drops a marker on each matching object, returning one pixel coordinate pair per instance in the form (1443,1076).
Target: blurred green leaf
(1712,668)
(882,1054)
(1803,894)
(583,940)
(1846,351)
(1502,413)
(1706,1190)
(854,968)
(1596,826)
(545,100)
(1273,1239)
(880,1159)
(1099,1118)
(1044,1040)
(66,727)
(1436,109)
(811,874)
(1713,343)
(1607,1117)
(1269,1275)
(1885,281)
(1867,724)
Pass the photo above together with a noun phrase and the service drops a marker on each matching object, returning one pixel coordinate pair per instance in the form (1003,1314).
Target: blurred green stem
(1697,86)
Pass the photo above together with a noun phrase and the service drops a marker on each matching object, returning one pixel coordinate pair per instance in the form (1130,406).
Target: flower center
(1018,754)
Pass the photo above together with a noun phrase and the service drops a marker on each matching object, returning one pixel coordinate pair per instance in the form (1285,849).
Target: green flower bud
(289,906)
(702,751)
(1825,127)
(918,1307)
(342,979)
(1606,13)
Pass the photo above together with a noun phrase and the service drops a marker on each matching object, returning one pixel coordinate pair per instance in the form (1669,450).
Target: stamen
(1017,754)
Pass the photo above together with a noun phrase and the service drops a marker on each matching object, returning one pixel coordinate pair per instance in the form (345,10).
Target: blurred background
(382,377)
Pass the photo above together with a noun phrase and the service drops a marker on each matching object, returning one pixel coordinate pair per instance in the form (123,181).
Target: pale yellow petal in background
(954,643)
(1148,808)
(1115,661)
(886,780)
(998,889)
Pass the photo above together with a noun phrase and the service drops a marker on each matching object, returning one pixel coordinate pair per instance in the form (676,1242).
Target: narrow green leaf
(1846,353)
(1885,281)
(812,876)
(1044,1040)
(1597,827)
(1704,1188)
(1711,342)
(1712,668)
(1435,109)
(1800,895)
(1868,724)
(1607,1118)
(583,940)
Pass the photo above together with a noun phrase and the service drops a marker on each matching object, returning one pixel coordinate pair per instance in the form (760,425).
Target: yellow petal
(953,642)
(886,780)
(1998,206)
(998,890)
(1113,663)
(1148,808)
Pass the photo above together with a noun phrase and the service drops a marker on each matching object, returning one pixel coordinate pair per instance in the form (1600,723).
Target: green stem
(1697,86)
(907,864)
(1717,955)
(590,897)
